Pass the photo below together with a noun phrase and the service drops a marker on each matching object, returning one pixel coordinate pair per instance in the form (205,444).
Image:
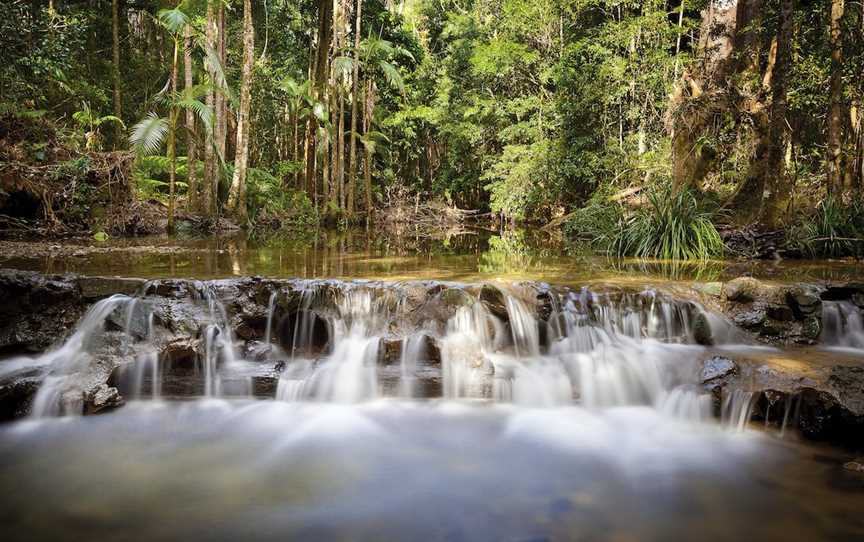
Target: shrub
(671,227)
(834,230)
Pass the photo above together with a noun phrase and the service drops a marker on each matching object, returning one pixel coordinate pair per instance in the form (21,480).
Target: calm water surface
(470,256)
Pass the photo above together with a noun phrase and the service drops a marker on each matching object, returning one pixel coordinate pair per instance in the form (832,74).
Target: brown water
(467,257)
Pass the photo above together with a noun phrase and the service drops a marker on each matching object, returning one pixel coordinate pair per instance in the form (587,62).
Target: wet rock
(848,385)
(390,351)
(716,368)
(751,319)
(16,395)
(257,350)
(36,310)
(743,290)
(495,301)
(804,301)
(181,353)
(854,466)
(100,287)
(102,398)
(702,333)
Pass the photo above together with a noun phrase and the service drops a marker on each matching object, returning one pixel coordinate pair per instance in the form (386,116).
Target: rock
(257,350)
(98,287)
(36,310)
(854,466)
(181,353)
(716,368)
(848,385)
(751,319)
(702,333)
(714,289)
(743,290)
(495,301)
(102,398)
(804,301)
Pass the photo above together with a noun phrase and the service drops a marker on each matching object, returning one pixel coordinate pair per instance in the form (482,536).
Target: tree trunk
(340,154)
(355,99)
(369,107)
(237,194)
(211,179)
(191,144)
(222,119)
(115,56)
(835,119)
(775,197)
(172,131)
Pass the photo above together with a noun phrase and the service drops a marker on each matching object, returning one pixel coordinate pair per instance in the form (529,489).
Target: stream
(475,388)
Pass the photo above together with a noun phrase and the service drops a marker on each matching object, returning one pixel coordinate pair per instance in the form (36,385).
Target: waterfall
(60,393)
(413,350)
(597,350)
(268,334)
(348,373)
(737,408)
(842,325)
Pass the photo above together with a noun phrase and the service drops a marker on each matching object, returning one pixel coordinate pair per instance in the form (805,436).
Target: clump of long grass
(833,230)
(670,226)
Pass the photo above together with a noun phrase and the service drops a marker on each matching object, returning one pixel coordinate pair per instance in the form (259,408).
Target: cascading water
(598,350)
(348,373)
(60,392)
(842,325)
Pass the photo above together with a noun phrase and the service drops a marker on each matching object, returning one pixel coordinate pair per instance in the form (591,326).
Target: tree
(191,143)
(355,100)
(835,119)
(149,134)
(115,56)
(237,194)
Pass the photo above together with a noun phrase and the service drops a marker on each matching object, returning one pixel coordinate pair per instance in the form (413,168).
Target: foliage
(834,230)
(670,227)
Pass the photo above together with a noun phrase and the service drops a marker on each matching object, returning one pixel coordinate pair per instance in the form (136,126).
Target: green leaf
(148,135)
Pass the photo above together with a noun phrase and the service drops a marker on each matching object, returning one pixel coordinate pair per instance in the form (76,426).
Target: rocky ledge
(819,390)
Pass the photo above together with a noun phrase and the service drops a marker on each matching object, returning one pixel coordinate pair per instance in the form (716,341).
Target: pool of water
(469,256)
(391,470)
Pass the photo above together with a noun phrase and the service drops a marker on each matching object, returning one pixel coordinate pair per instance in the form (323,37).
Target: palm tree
(300,104)
(150,133)
(375,56)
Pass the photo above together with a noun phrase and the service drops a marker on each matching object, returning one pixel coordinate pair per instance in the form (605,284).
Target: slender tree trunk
(775,197)
(355,99)
(191,144)
(211,179)
(237,195)
(340,155)
(295,157)
(835,120)
(115,56)
(368,108)
(172,131)
(222,119)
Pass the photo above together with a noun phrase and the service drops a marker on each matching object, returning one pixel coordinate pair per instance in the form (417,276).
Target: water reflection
(464,256)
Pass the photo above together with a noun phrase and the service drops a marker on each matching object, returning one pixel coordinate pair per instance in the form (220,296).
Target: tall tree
(775,197)
(191,143)
(211,180)
(237,194)
(355,100)
(115,56)
(835,119)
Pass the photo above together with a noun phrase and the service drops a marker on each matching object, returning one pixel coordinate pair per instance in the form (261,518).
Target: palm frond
(201,110)
(391,73)
(148,135)
(174,20)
